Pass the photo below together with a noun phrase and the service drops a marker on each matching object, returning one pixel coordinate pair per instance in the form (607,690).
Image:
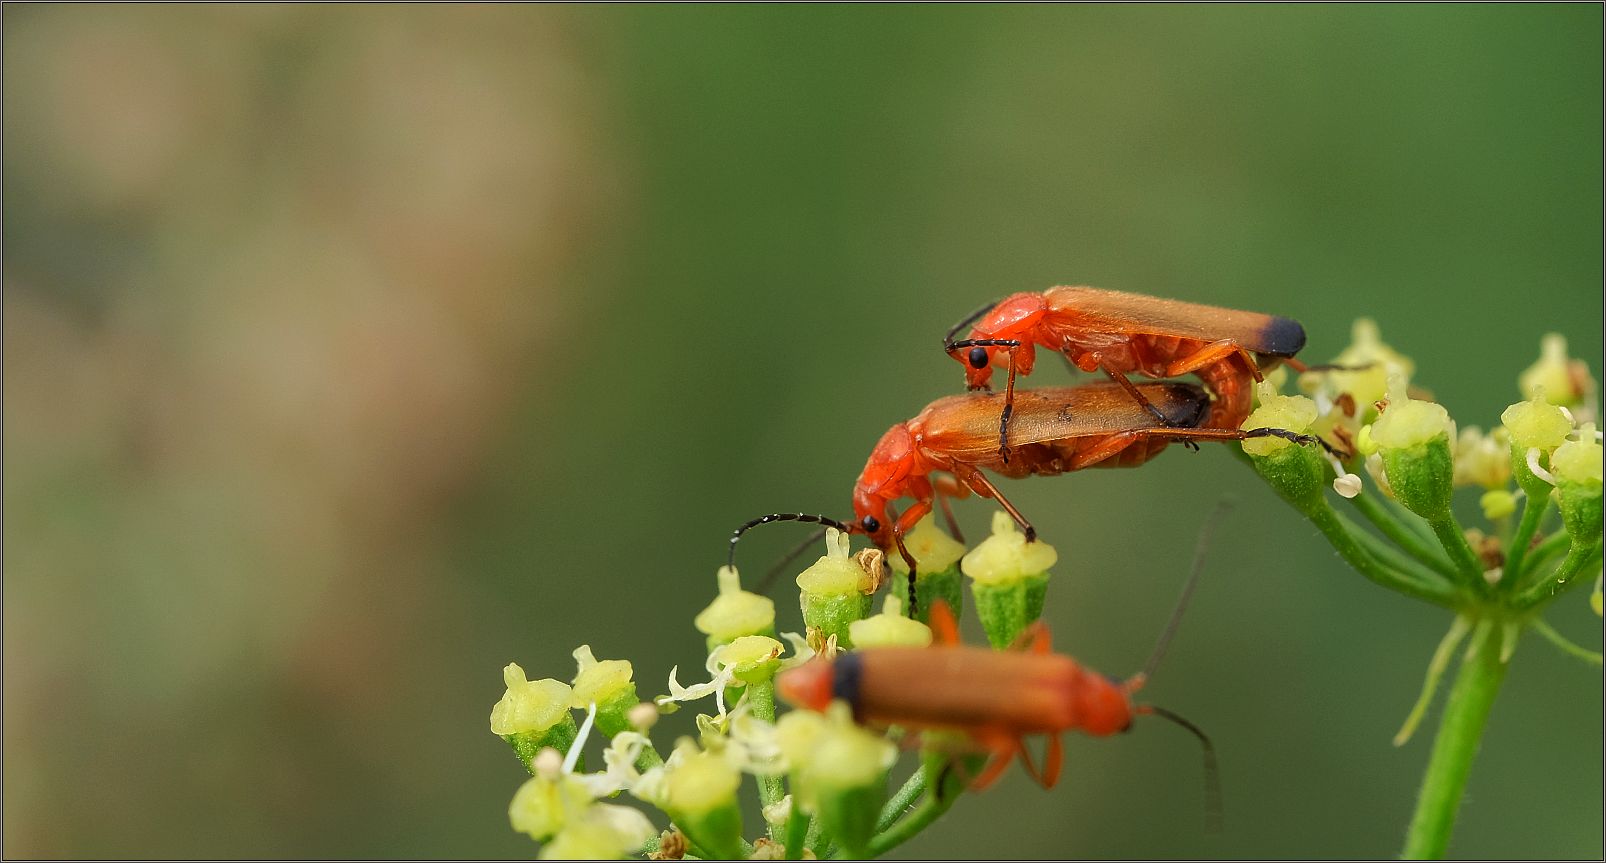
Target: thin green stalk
(1579,560)
(1563,644)
(761,695)
(1548,548)
(797,831)
(1465,714)
(816,837)
(929,810)
(1454,540)
(1328,522)
(1419,547)
(1411,520)
(1390,556)
(1533,511)
(1436,668)
(902,800)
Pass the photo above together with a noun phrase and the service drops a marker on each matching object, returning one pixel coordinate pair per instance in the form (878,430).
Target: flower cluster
(1544,459)
(822,780)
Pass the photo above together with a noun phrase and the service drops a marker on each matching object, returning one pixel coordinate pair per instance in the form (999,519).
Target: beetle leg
(1213,353)
(1003,751)
(944,487)
(1131,390)
(1033,639)
(983,486)
(1009,408)
(1107,447)
(944,629)
(1054,761)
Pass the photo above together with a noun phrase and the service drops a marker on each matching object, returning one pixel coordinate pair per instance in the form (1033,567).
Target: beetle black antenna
(1211,769)
(781,516)
(1224,506)
(948,339)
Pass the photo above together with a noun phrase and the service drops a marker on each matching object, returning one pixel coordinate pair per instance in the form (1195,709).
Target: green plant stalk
(1579,560)
(1465,715)
(1533,511)
(1415,523)
(1548,548)
(761,695)
(1562,644)
(1391,557)
(1454,540)
(1328,522)
(902,800)
(1413,542)
(797,831)
(816,837)
(929,810)
(1436,668)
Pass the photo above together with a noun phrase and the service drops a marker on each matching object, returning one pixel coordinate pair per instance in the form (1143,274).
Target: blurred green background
(353,352)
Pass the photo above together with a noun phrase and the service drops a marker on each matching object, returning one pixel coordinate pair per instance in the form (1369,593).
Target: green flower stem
(1411,520)
(1436,668)
(761,695)
(816,837)
(1460,731)
(797,831)
(1548,548)
(931,807)
(1328,521)
(902,800)
(1579,560)
(1419,547)
(1533,511)
(1454,540)
(1563,644)
(1390,556)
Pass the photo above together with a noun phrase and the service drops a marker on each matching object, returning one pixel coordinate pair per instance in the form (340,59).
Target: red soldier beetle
(1123,333)
(995,698)
(1055,430)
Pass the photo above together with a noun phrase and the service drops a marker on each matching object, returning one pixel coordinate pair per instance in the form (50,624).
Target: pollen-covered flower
(1296,472)
(560,808)
(1576,466)
(838,771)
(936,557)
(742,661)
(533,714)
(890,628)
(1536,427)
(735,612)
(835,589)
(1413,439)
(1009,579)
(1562,379)
(698,789)
(606,683)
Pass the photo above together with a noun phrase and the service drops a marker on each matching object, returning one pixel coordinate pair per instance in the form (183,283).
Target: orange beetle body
(1124,333)
(995,698)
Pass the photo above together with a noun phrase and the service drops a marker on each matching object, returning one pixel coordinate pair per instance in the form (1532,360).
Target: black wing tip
(1282,337)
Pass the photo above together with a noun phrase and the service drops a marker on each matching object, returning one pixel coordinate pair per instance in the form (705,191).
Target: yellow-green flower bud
(1556,375)
(1497,504)
(937,557)
(1009,579)
(796,733)
(605,833)
(835,590)
(752,658)
(1576,466)
(1536,424)
(1297,473)
(1413,438)
(735,612)
(700,794)
(607,684)
(541,806)
(890,628)
(533,713)
(1368,349)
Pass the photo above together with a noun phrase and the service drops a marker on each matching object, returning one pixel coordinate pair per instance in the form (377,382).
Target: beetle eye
(871,525)
(978,358)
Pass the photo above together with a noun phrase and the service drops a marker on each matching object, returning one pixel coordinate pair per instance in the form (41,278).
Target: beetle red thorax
(1102,705)
(1013,318)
